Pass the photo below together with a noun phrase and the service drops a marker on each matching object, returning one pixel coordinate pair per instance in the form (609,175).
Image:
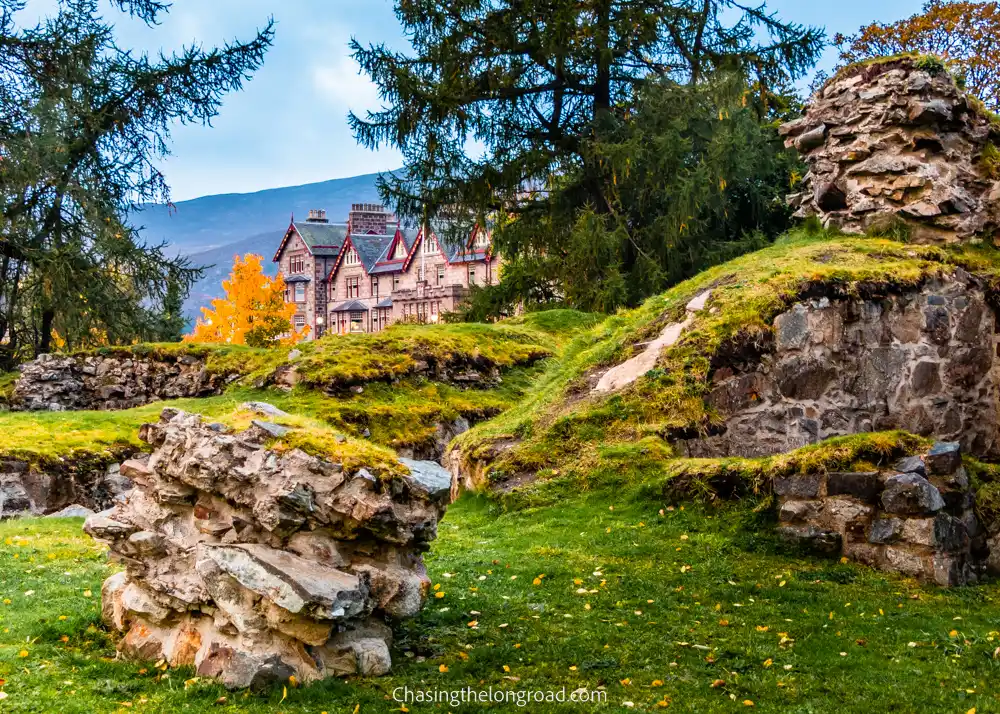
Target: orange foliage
(254,311)
(964,34)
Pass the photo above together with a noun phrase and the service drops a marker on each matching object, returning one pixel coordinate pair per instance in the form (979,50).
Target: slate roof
(297,279)
(383,264)
(384,302)
(329,235)
(370,247)
(351,306)
(323,239)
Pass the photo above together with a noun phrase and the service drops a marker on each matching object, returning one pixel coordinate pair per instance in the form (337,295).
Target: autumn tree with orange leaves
(253,313)
(964,34)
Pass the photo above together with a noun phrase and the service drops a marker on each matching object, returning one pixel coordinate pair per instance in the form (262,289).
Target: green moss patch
(560,425)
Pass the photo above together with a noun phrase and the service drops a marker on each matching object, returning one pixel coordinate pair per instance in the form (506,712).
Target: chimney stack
(370,218)
(317,215)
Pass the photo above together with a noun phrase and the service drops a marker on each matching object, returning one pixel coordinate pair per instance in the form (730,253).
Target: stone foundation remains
(59,383)
(917,520)
(925,362)
(34,490)
(252,565)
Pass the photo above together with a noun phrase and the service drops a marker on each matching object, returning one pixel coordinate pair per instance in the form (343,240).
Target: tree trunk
(45,339)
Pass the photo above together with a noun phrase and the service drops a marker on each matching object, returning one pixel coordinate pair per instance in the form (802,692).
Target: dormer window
(352,257)
(431,245)
(398,253)
(482,240)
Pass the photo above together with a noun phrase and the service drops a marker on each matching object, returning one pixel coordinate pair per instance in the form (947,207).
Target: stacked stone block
(896,141)
(253,565)
(59,383)
(917,520)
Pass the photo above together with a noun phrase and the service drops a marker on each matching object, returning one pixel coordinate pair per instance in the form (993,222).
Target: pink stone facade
(370,272)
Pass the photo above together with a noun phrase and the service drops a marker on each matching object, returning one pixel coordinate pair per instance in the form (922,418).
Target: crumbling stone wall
(924,361)
(253,565)
(58,383)
(896,140)
(917,519)
(40,489)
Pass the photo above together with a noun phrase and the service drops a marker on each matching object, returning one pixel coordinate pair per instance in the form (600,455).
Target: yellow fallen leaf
(443,668)
(747,703)
(506,668)
(22,653)
(439,594)
(536,581)
(768,662)
(657,683)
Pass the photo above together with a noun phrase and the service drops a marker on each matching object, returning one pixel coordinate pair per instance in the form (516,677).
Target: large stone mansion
(367,273)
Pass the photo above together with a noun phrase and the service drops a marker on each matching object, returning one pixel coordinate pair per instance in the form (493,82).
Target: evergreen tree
(82,125)
(548,88)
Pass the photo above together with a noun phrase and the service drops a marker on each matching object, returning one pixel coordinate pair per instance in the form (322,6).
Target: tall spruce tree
(545,92)
(83,123)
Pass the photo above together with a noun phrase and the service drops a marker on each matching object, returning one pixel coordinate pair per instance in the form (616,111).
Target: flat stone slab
(431,477)
(73,511)
(294,583)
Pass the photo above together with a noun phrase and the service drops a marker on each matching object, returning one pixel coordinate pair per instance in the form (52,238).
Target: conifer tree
(541,86)
(83,122)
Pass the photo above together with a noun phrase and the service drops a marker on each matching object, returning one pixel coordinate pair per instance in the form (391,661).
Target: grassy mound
(339,361)
(400,415)
(560,429)
(633,599)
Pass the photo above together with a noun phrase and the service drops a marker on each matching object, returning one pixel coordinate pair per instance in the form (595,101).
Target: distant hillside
(212,229)
(203,224)
(220,260)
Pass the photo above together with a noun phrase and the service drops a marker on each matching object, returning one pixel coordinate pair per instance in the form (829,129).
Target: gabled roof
(462,253)
(368,246)
(404,238)
(321,239)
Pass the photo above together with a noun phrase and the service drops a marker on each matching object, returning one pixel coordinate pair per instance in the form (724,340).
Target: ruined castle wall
(924,361)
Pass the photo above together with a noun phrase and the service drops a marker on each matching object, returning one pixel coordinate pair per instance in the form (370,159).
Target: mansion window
(395,281)
(440,275)
(296,264)
(472,275)
(300,292)
(353,288)
(482,240)
(352,257)
(420,273)
(431,245)
(357,321)
(300,322)
(374,287)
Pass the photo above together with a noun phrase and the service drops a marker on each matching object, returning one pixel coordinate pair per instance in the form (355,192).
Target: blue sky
(288,126)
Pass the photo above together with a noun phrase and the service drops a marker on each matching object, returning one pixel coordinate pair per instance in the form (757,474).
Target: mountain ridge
(210,230)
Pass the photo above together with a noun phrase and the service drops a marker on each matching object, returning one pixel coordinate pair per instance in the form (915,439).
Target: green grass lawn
(605,593)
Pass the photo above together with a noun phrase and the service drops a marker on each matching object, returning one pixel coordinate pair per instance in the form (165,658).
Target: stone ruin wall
(74,382)
(90,484)
(252,565)
(917,519)
(897,141)
(923,361)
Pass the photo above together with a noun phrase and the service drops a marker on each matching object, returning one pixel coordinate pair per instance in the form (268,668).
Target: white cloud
(340,82)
